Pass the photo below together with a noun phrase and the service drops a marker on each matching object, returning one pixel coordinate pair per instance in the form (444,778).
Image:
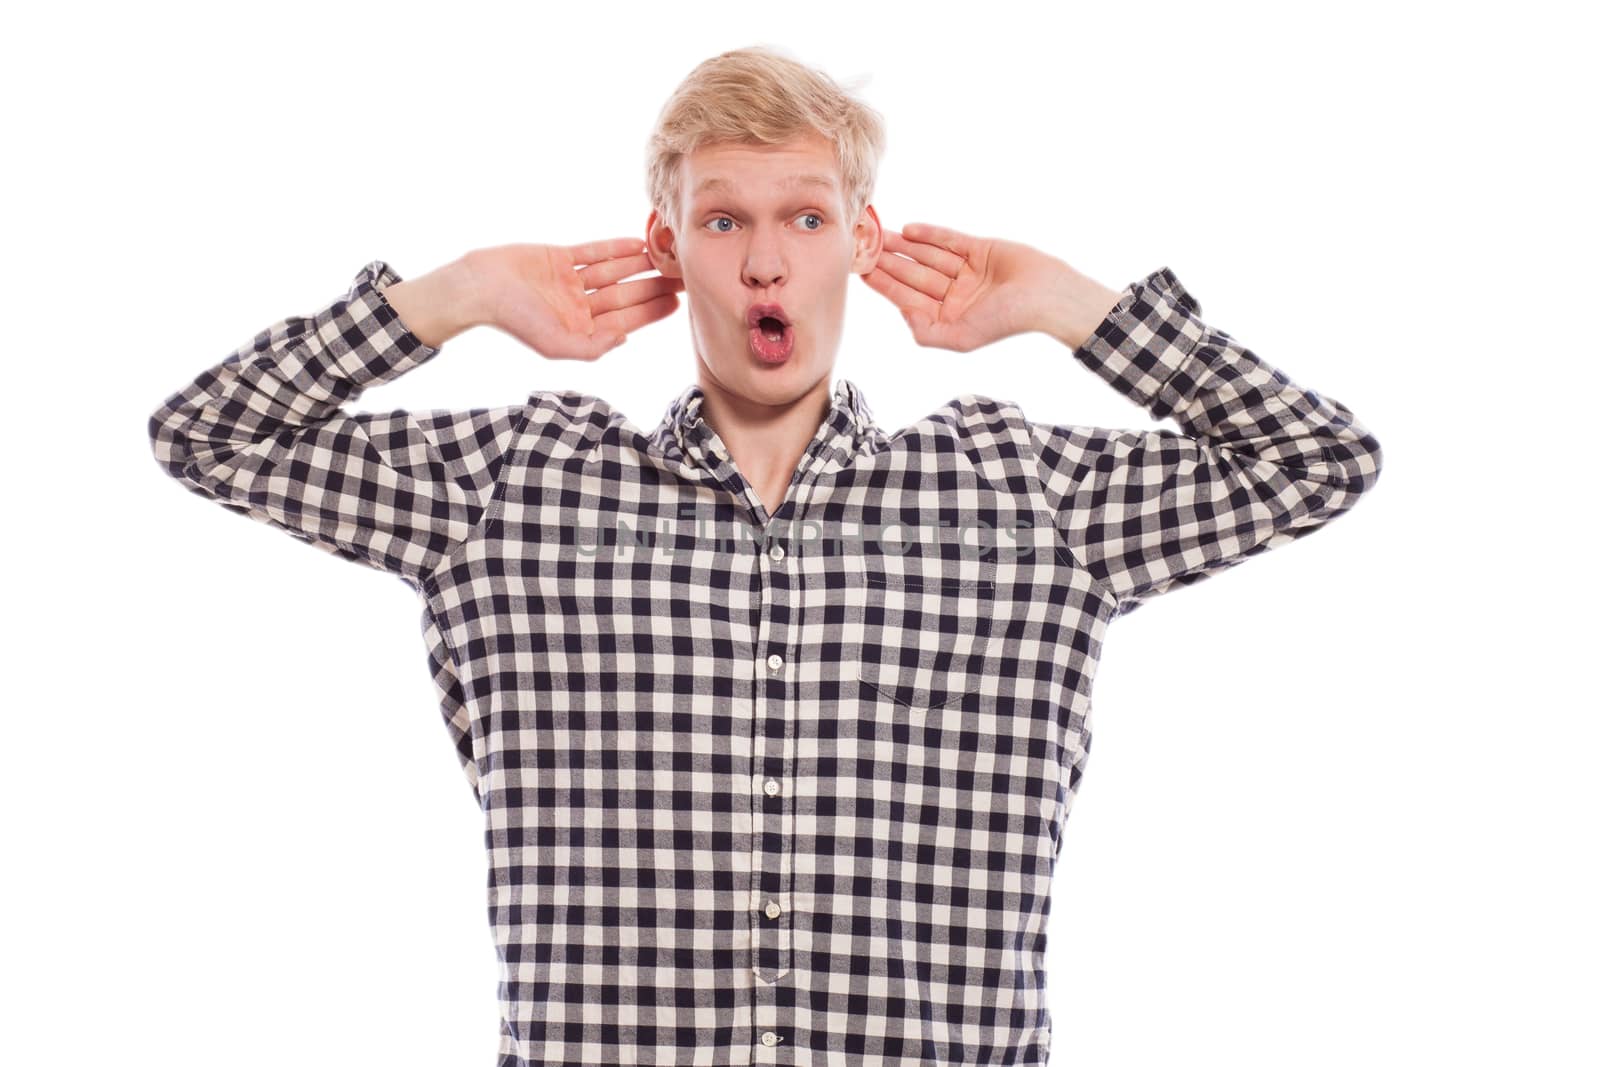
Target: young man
(775,717)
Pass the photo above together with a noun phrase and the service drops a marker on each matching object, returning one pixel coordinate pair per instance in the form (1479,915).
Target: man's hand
(961,292)
(569,301)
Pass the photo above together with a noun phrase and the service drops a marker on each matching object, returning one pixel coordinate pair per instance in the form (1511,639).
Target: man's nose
(763,264)
(763,276)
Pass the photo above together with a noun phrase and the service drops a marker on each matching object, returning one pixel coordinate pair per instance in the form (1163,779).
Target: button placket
(775,723)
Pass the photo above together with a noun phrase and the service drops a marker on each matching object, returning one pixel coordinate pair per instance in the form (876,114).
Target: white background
(1341,806)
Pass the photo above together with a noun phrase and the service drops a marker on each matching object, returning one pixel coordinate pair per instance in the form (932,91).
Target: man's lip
(757,312)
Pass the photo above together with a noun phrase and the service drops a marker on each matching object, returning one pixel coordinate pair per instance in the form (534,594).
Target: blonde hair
(758,96)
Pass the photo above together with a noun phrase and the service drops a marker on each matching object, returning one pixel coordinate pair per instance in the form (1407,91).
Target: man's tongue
(772,328)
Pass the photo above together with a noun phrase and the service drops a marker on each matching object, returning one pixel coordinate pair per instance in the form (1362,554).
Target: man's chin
(772,386)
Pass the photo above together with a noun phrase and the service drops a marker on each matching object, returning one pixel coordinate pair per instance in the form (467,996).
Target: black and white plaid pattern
(770,788)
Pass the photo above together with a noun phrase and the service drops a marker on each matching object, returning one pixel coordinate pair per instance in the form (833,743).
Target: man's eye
(807,215)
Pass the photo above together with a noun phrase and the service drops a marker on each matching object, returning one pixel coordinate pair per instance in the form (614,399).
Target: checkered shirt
(770,787)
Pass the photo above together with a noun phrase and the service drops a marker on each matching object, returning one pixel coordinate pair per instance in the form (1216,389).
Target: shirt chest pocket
(923,638)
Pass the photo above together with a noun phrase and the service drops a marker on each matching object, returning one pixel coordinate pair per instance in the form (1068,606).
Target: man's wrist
(1078,305)
(438,305)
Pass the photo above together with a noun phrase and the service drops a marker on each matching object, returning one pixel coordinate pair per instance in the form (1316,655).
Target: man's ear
(661,246)
(869,242)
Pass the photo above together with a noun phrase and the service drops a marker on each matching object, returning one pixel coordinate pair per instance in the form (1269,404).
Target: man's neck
(765,441)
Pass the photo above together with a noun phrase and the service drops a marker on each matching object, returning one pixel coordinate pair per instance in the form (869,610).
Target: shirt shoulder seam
(492,510)
(1055,516)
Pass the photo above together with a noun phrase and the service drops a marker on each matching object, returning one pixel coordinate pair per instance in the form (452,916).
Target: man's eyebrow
(711,185)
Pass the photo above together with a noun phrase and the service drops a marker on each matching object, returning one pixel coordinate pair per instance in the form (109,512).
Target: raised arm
(1259,461)
(266,432)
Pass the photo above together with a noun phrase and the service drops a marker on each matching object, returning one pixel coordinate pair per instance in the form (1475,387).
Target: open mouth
(771,333)
(772,340)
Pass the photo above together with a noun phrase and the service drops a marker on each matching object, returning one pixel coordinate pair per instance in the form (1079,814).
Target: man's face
(753,230)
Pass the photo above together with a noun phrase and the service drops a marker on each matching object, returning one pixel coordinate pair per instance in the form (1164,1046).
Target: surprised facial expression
(766,254)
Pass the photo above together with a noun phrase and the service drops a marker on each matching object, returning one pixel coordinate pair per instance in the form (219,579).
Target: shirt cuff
(357,341)
(1146,345)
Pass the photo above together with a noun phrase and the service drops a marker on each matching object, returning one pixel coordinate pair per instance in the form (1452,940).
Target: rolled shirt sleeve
(1259,461)
(267,433)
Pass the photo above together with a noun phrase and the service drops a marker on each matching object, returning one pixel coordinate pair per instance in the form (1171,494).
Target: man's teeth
(772,330)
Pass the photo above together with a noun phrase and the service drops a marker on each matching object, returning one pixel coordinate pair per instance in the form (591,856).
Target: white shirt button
(774,661)
(772,788)
(769,1038)
(773,911)
(776,553)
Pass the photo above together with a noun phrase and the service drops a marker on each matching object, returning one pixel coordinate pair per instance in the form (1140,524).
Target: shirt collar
(847,424)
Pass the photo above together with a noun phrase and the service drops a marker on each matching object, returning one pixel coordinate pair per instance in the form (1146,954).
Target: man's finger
(947,263)
(627,319)
(629,294)
(925,280)
(600,275)
(901,295)
(945,238)
(595,251)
